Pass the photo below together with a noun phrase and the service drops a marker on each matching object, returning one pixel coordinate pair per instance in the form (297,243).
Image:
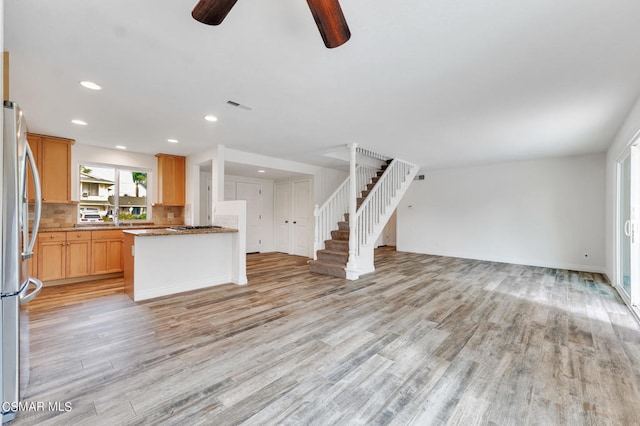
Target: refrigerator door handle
(28,158)
(25,297)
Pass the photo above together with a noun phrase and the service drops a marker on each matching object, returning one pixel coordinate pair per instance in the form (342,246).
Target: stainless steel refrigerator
(18,241)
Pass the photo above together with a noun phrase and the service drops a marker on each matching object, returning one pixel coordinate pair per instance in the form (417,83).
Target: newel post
(352,263)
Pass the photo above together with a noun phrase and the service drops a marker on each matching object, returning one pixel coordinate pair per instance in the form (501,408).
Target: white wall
(624,137)
(544,212)
(233,214)
(193,200)
(325,180)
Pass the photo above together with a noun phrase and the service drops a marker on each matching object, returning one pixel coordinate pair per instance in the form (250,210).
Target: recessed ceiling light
(79,122)
(121,147)
(261,171)
(172,140)
(90,85)
(211,118)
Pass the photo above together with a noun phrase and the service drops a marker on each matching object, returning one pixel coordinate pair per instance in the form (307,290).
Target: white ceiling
(441,84)
(265,173)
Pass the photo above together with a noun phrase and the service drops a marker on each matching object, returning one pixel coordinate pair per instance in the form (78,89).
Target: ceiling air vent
(239,105)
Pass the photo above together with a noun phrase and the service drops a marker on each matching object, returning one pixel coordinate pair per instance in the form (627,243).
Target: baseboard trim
(160,291)
(76,280)
(539,264)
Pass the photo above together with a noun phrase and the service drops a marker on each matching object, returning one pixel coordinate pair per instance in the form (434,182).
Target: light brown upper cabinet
(171,180)
(53,159)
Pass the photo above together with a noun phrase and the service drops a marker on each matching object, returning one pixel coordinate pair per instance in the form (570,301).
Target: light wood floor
(424,340)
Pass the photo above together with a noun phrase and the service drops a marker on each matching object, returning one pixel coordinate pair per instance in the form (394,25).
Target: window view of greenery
(105,191)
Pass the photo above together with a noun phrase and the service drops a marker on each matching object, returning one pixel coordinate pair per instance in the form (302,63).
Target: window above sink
(112,194)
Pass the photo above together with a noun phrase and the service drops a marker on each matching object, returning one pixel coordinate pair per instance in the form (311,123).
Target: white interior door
(252,194)
(301,194)
(282,216)
(205,214)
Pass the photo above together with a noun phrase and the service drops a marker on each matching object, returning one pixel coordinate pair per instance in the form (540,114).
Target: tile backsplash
(66,215)
(161,215)
(56,215)
(226,221)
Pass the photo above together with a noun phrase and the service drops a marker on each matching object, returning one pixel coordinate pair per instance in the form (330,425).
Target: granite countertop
(173,231)
(105,227)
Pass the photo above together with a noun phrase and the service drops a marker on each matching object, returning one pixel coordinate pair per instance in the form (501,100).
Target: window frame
(116,193)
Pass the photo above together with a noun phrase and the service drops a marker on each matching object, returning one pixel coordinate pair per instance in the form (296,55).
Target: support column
(352,264)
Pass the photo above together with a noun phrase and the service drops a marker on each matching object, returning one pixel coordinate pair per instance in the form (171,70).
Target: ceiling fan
(327,14)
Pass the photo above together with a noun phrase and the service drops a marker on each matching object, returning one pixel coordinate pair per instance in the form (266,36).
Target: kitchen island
(160,262)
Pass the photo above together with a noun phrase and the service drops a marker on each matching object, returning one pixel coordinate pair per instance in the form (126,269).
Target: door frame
(265,231)
(291,249)
(308,208)
(276,218)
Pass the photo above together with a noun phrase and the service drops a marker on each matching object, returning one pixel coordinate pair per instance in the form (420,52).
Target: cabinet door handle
(294,222)
(286,221)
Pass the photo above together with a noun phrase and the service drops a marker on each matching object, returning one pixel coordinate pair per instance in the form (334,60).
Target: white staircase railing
(376,209)
(368,221)
(332,211)
(372,154)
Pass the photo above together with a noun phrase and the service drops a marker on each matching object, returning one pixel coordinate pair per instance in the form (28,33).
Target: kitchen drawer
(45,237)
(78,236)
(111,234)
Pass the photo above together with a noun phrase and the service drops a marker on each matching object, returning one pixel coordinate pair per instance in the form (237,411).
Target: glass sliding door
(624,225)
(628,226)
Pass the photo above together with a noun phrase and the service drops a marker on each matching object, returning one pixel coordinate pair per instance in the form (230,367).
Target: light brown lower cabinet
(106,247)
(76,254)
(52,256)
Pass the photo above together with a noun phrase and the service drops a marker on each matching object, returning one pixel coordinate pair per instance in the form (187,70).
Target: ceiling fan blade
(330,21)
(212,12)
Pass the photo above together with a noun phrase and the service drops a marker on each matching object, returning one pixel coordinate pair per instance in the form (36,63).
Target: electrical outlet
(170,215)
